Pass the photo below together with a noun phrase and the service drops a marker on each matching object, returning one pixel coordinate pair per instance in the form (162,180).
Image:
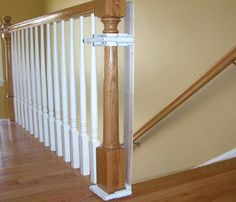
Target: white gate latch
(110,40)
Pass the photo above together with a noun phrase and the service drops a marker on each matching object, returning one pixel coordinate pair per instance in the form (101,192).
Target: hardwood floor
(214,183)
(29,172)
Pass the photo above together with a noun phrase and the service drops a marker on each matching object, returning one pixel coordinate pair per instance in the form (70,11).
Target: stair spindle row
(40,83)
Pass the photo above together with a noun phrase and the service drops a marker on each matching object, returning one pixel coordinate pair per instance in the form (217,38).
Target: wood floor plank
(29,172)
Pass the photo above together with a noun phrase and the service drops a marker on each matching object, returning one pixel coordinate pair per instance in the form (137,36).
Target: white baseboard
(228,155)
(1,82)
(4,121)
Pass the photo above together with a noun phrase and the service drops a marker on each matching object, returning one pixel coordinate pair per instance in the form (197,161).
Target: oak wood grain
(111,154)
(30,172)
(65,14)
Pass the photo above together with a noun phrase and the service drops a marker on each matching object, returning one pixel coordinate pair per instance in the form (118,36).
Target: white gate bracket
(116,195)
(110,40)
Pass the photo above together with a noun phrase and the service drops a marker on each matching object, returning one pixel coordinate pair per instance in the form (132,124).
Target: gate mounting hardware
(110,40)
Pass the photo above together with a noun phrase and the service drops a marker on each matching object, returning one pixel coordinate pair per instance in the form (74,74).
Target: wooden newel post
(111,155)
(6,22)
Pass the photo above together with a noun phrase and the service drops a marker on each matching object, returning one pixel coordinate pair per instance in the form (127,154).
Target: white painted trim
(51,119)
(38,85)
(4,121)
(33,84)
(94,142)
(106,197)
(1,66)
(44,88)
(74,134)
(1,82)
(14,75)
(84,138)
(56,86)
(65,121)
(24,85)
(28,82)
(228,155)
(129,69)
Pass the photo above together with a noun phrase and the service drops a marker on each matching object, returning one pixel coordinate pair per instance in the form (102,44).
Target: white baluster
(33,85)
(84,139)
(24,80)
(30,107)
(57,93)
(50,92)
(38,84)
(13,56)
(65,125)
(21,98)
(44,88)
(17,79)
(94,142)
(73,131)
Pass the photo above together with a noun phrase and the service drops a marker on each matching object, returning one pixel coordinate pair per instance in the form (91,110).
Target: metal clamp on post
(110,40)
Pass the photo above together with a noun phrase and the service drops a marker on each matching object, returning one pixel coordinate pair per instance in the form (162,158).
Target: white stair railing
(43,71)
(33,84)
(44,88)
(13,57)
(65,121)
(17,72)
(50,93)
(57,94)
(84,139)
(38,86)
(28,83)
(44,68)
(16,91)
(94,142)
(23,67)
(22,123)
(73,109)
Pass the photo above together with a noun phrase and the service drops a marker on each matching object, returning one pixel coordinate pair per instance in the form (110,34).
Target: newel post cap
(6,22)
(110,8)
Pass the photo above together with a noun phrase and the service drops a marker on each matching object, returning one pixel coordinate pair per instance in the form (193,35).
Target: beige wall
(54,5)
(176,41)
(19,11)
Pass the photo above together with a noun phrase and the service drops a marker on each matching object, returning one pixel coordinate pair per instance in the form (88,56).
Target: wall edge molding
(227,155)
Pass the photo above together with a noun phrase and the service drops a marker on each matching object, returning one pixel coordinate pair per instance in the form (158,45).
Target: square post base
(111,169)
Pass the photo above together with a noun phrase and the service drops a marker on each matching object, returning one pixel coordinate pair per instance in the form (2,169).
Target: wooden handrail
(65,14)
(216,69)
